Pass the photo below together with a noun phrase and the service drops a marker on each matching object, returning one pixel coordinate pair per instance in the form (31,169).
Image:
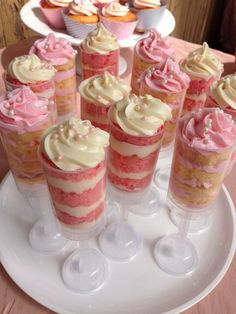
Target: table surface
(221,300)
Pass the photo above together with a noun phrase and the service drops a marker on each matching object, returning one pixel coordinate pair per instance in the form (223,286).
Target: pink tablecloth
(221,300)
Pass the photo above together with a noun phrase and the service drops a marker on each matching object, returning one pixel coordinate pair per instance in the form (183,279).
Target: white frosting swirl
(115,9)
(141,115)
(202,63)
(74,145)
(82,8)
(29,69)
(100,41)
(223,92)
(104,89)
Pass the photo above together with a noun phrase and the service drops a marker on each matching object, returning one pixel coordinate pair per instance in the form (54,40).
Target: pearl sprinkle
(11,112)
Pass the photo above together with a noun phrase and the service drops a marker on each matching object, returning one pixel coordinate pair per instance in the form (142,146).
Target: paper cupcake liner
(76,29)
(53,16)
(149,18)
(122,30)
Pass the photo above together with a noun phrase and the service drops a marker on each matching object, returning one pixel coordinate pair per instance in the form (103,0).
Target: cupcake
(23,118)
(98,94)
(118,19)
(59,52)
(80,18)
(222,94)
(203,68)
(73,156)
(99,53)
(152,49)
(167,83)
(29,70)
(136,132)
(149,13)
(51,9)
(204,145)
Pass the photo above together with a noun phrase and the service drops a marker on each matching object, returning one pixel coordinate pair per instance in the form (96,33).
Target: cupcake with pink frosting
(60,53)
(51,9)
(153,49)
(80,18)
(23,118)
(169,84)
(204,145)
(118,19)
(149,13)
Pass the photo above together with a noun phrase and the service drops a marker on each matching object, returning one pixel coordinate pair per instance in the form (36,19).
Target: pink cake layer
(191,105)
(200,86)
(132,163)
(130,184)
(93,109)
(75,176)
(89,72)
(90,217)
(72,199)
(136,140)
(97,61)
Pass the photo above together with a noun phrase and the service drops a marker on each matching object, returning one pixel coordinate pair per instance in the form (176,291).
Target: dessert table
(221,300)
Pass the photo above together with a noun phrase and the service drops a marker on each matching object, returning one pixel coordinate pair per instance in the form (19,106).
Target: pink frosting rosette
(22,111)
(165,78)
(154,48)
(52,49)
(122,30)
(208,129)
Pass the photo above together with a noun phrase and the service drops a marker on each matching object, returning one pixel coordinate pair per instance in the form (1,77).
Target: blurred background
(213,21)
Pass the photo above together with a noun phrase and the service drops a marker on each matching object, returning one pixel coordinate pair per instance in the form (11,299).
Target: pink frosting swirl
(54,50)
(154,48)
(21,110)
(82,8)
(115,9)
(142,4)
(166,78)
(208,129)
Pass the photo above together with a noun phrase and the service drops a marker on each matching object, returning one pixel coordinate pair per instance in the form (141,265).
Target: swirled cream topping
(154,48)
(58,3)
(100,41)
(208,129)
(166,78)
(74,145)
(52,49)
(142,4)
(29,69)
(141,115)
(21,110)
(202,63)
(82,8)
(224,91)
(104,89)
(115,9)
